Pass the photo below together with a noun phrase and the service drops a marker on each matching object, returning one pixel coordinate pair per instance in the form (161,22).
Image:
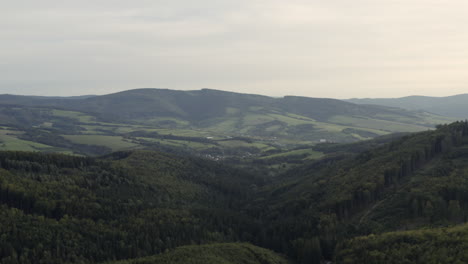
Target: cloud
(332,48)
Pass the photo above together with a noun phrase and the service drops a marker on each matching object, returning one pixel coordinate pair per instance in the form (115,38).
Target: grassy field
(224,126)
(178,143)
(254,124)
(9,141)
(113,142)
(309,153)
(185,132)
(232,110)
(266,130)
(383,125)
(244,144)
(293,120)
(166,121)
(81,117)
(250,122)
(106,128)
(425,118)
(256,119)
(198,146)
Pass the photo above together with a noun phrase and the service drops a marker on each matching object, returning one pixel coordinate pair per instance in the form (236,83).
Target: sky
(315,48)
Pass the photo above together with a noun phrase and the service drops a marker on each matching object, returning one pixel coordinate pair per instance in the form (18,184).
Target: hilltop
(416,181)
(214,123)
(140,206)
(453,106)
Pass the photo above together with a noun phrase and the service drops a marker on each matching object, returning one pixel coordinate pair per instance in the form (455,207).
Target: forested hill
(454,106)
(65,209)
(228,253)
(417,181)
(216,112)
(139,204)
(201,104)
(424,246)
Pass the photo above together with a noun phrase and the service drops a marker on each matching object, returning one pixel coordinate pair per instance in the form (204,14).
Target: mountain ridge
(135,204)
(172,102)
(454,105)
(192,120)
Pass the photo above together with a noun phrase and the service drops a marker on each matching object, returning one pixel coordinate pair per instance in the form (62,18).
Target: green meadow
(113,142)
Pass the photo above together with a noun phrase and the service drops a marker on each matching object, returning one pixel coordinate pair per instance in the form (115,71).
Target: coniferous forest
(398,200)
(233,132)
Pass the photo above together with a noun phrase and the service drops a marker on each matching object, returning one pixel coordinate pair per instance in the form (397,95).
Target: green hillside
(68,209)
(253,172)
(454,106)
(233,253)
(426,246)
(207,122)
(417,181)
(142,205)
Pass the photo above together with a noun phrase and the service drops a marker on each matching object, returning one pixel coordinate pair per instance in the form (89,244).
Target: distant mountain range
(351,206)
(242,114)
(257,176)
(198,105)
(453,106)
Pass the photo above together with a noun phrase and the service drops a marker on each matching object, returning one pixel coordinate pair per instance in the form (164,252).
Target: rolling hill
(210,122)
(453,106)
(426,246)
(140,206)
(66,209)
(416,181)
(228,253)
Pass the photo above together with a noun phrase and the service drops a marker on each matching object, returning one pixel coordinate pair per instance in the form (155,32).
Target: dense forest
(416,181)
(66,209)
(144,205)
(428,246)
(227,253)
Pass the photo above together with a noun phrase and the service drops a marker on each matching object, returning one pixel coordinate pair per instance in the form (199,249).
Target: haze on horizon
(337,49)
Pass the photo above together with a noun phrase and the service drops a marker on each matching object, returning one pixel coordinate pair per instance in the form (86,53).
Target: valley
(259,185)
(228,124)
(233,132)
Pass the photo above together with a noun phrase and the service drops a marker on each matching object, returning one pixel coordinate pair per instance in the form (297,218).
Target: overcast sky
(316,48)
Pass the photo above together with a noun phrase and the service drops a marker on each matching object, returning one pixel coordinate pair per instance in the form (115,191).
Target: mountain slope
(214,254)
(441,245)
(416,181)
(293,119)
(453,106)
(137,204)
(67,209)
